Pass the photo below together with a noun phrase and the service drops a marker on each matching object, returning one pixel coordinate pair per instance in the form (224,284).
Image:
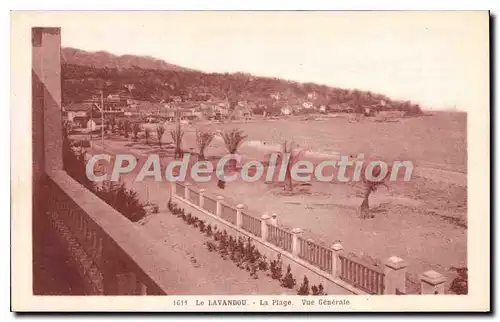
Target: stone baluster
(432,282)
(202,197)
(274,220)
(239,216)
(295,241)
(337,249)
(186,190)
(173,188)
(218,208)
(395,275)
(263,226)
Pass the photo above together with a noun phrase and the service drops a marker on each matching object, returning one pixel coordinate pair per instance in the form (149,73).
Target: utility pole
(90,122)
(102,121)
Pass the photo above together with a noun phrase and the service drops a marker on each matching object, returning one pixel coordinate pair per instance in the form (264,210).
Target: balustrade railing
(279,237)
(316,254)
(365,276)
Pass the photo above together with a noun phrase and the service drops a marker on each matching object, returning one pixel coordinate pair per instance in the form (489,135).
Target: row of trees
(127,128)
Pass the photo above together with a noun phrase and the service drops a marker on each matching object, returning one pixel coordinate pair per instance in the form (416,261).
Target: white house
(94,124)
(307,105)
(286,110)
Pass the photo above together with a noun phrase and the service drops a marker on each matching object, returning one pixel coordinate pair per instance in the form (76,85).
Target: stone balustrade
(331,264)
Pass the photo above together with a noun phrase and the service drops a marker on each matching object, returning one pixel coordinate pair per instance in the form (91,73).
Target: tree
(126,128)
(177,135)
(288,281)
(290,154)
(147,134)
(136,129)
(112,124)
(233,140)
(119,125)
(159,133)
(370,186)
(304,288)
(203,140)
(459,285)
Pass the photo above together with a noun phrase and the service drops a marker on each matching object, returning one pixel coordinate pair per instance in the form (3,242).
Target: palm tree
(289,152)
(177,135)
(203,140)
(147,134)
(233,140)
(159,133)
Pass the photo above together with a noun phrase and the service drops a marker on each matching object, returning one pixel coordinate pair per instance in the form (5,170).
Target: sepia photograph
(250,160)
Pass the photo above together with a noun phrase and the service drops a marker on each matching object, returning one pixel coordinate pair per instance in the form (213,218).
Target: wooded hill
(149,79)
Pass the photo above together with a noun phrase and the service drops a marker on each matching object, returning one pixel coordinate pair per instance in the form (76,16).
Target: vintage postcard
(250,161)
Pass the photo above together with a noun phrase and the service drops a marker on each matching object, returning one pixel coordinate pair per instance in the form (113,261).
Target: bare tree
(126,128)
(177,135)
(112,124)
(233,140)
(136,129)
(119,125)
(203,140)
(160,130)
(370,187)
(147,134)
(290,154)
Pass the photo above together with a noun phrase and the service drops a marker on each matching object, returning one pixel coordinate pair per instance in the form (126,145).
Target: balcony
(81,245)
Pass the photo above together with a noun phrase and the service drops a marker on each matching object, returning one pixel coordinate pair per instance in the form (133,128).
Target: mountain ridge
(104,59)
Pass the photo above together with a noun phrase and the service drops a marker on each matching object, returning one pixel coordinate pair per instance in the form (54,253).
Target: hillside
(145,78)
(103,59)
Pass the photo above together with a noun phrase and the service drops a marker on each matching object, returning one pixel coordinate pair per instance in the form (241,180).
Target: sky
(437,59)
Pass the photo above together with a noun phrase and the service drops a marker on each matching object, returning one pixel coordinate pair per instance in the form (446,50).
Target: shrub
(304,288)
(288,281)
(211,246)
(122,199)
(276,268)
(263,265)
(318,290)
(459,285)
(151,207)
(202,226)
(209,230)
(223,243)
(253,272)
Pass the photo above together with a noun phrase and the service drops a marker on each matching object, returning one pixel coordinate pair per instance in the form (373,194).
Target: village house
(79,113)
(286,110)
(275,96)
(307,105)
(94,124)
